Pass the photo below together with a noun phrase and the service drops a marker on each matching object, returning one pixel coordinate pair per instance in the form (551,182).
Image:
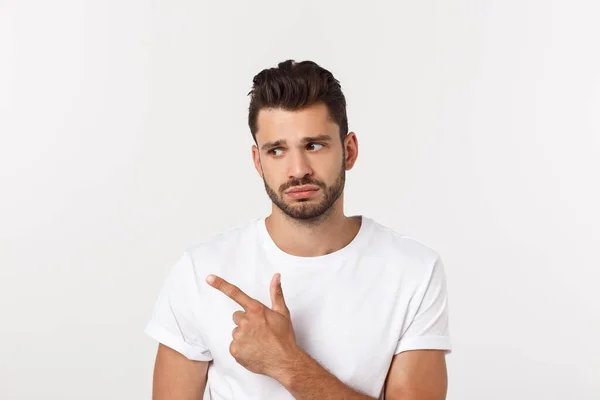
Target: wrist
(290,365)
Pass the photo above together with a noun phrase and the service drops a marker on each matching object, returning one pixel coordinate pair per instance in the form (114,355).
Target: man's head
(297,117)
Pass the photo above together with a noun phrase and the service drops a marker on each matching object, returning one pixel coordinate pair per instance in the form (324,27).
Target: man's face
(301,159)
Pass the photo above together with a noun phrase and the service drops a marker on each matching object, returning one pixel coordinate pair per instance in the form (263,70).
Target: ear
(256,160)
(351,148)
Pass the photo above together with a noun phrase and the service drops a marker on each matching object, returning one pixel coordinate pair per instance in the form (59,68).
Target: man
(306,303)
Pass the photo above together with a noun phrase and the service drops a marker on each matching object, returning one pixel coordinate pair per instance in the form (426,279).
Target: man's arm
(417,375)
(264,343)
(306,379)
(413,375)
(177,377)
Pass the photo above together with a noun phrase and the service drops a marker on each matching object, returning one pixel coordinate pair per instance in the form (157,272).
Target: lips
(303,188)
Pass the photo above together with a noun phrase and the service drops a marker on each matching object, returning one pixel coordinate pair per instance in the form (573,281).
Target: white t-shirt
(352,310)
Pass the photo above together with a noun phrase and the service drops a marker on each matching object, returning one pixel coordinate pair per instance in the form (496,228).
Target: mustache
(300,182)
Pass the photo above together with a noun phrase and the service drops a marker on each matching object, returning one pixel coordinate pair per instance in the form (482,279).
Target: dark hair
(294,85)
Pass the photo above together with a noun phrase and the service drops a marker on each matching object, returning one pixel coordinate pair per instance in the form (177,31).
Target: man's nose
(299,166)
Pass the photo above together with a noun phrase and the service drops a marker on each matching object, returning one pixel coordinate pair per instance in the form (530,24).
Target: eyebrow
(307,139)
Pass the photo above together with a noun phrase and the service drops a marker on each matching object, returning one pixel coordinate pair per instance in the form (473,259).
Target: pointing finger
(231,291)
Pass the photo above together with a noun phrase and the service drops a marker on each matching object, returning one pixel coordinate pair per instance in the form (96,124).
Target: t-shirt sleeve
(428,329)
(175,320)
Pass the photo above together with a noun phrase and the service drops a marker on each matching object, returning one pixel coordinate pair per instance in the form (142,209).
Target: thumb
(277,299)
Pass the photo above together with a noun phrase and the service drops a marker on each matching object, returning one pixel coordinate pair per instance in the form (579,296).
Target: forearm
(306,379)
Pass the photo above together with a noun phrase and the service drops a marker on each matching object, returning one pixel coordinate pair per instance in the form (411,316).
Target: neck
(312,238)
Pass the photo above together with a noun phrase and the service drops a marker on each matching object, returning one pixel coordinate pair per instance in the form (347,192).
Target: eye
(274,152)
(316,146)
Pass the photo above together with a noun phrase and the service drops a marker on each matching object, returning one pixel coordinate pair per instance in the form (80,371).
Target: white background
(124,139)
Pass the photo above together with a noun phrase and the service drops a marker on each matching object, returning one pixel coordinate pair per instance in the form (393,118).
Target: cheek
(270,176)
(332,170)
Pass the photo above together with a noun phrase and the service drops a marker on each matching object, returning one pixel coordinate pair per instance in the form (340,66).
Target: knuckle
(255,306)
(234,291)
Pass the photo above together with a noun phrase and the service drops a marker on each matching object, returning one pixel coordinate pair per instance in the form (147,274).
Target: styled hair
(293,85)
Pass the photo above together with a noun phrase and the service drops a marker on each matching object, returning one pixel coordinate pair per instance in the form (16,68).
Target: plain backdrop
(124,140)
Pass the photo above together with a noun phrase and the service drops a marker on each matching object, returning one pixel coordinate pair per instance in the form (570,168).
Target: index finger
(233,292)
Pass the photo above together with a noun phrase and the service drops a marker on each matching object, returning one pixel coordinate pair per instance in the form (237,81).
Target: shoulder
(223,244)
(401,245)
(404,253)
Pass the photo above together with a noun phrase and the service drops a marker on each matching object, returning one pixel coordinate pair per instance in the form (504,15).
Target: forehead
(277,124)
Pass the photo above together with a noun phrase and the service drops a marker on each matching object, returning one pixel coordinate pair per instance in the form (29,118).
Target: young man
(306,303)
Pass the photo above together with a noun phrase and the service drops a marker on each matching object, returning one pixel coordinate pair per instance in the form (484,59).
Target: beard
(307,209)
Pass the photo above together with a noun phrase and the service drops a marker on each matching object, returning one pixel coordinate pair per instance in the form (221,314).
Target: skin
(264,340)
(316,226)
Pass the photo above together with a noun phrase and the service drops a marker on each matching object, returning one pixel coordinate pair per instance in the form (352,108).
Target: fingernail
(279,279)
(210,278)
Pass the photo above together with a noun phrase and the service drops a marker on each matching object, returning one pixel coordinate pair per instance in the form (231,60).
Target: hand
(264,341)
